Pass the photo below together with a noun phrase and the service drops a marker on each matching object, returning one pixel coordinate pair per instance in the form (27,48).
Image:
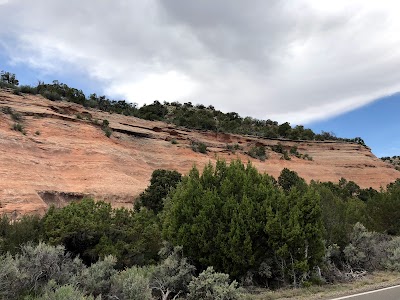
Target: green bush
(7,85)
(370,250)
(258,152)
(41,263)
(105,126)
(233,147)
(19,127)
(293,150)
(30,271)
(392,260)
(278,148)
(285,156)
(94,229)
(51,95)
(27,89)
(64,292)
(15,116)
(210,285)
(384,210)
(172,276)
(105,123)
(107,132)
(9,277)
(58,91)
(202,148)
(7,110)
(161,182)
(289,179)
(199,147)
(16,91)
(13,234)
(153,112)
(96,279)
(132,284)
(8,78)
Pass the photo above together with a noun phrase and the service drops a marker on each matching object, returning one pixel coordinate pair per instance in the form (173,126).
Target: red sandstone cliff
(65,155)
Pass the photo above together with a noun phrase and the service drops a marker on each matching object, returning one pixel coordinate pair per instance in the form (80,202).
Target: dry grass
(370,282)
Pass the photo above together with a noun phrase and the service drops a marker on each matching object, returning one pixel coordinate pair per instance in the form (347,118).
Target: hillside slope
(65,155)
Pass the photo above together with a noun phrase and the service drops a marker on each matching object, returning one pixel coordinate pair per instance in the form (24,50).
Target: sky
(329,65)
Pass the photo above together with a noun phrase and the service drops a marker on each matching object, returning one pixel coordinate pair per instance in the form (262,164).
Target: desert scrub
(19,127)
(27,89)
(258,152)
(53,96)
(6,85)
(233,147)
(16,92)
(6,110)
(199,147)
(105,126)
(15,116)
(295,152)
(280,149)
(285,155)
(107,132)
(105,123)
(174,142)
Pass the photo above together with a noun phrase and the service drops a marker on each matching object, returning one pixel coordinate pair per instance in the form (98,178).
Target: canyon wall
(62,154)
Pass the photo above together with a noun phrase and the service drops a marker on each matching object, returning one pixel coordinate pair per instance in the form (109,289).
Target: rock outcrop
(62,154)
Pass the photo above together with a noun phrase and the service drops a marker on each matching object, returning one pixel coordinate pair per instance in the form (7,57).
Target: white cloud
(169,85)
(286,60)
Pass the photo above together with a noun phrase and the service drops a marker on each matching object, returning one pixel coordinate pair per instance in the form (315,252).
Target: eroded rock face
(65,156)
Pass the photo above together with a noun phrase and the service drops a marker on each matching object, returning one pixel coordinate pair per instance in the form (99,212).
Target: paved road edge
(366,293)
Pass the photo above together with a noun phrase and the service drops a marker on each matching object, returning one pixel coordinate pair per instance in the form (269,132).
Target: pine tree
(218,217)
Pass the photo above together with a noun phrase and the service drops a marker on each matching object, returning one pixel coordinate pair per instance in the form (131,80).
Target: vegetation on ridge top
(394,161)
(187,115)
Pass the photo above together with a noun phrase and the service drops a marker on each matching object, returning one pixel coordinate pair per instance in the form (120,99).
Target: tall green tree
(289,179)
(284,129)
(384,210)
(218,217)
(14,234)
(235,219)
(295,231)
(8,78)
(93,229)
(161,182)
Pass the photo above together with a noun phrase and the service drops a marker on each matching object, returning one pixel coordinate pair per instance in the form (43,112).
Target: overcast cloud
(296,61)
